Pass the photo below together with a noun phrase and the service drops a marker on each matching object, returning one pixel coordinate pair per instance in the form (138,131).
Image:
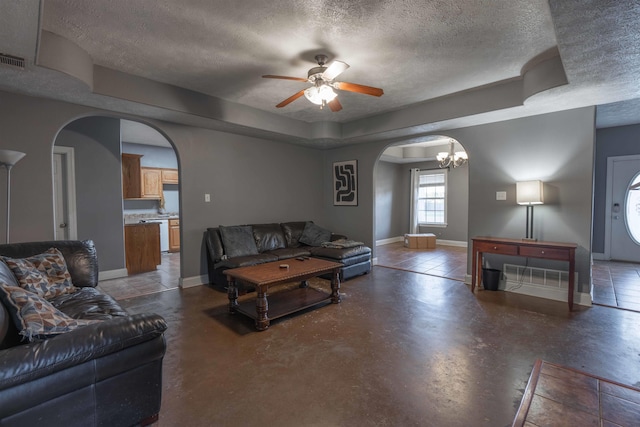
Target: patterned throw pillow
(45,274)
(34,316)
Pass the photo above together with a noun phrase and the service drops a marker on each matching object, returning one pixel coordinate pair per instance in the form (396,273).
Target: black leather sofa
(277,242)
(107,373)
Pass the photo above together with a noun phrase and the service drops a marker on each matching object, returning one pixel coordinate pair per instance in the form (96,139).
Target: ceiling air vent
(12,61)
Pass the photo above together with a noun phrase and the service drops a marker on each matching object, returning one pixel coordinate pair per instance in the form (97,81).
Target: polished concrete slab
(401,349)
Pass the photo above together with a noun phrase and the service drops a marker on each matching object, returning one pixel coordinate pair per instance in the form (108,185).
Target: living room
(261,166)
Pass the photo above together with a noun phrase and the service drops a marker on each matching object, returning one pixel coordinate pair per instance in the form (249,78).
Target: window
(432,198)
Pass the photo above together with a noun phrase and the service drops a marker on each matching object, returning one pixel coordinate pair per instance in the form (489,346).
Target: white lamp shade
(319,94)
(529,193)
(10,157)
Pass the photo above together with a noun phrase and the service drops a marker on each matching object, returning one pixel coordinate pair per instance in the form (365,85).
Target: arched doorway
(95,146)
(442,208)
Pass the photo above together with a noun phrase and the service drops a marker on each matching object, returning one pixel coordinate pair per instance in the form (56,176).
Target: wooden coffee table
(263,276)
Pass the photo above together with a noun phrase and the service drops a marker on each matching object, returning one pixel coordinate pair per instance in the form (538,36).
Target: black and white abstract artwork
(345,183)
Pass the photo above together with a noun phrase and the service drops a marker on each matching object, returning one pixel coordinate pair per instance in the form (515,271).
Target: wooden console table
(524,248)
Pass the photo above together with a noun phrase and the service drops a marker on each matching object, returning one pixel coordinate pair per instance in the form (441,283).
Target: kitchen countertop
(137,218)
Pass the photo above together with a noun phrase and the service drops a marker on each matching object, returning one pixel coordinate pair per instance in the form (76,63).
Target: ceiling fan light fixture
(320,95)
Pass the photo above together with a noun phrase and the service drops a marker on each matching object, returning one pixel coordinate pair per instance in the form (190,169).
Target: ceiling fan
(321,77)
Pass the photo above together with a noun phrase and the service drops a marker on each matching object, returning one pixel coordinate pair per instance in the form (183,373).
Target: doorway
(622,239)
(64,194)
(442,206)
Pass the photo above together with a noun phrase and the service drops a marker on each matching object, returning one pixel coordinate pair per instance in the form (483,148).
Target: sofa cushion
(238,240)
(340,254)
(246,261)
(45,274)
(286,253)
(292,232)
(268,237)
(314,235)
(88,303)
(34,316)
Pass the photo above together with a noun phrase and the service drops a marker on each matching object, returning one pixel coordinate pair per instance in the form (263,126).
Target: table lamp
(529,193)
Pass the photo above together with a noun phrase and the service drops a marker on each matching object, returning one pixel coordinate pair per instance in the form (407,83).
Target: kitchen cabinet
(140,182)
(174,235)
(131,180)
(151,183)
(142,247)
(170,176)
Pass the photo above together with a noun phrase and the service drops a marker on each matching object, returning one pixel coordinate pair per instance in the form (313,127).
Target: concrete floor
(402,349)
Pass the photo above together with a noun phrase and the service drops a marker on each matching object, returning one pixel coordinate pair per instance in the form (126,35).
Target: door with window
(625,210)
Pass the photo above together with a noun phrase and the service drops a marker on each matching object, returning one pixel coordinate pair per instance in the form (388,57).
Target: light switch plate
(207,197)
(501,195)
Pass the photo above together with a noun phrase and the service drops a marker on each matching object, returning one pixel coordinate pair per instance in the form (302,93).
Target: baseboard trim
(113,274)
(456,243)
(374,261)
(599,256)
(389,240)
(192,282)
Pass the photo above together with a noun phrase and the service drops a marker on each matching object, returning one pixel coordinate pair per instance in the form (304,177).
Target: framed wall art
(345,183)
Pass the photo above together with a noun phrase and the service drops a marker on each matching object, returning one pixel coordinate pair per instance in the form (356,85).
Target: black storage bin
(490,279)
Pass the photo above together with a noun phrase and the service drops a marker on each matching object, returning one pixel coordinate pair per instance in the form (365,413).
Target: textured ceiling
(427,55)
(414,50)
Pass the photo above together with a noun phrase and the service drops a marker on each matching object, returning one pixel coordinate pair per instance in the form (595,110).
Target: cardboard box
(420,241)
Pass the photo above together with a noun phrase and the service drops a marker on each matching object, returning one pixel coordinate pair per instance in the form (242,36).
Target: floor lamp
(8,158)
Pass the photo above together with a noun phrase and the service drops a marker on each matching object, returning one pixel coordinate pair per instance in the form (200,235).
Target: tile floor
(557,395)
(444,261)
(166,277)
(616,284)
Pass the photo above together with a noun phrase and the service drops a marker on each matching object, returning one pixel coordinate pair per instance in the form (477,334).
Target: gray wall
(556,148)
(96,143)
(393,201)
(610,142)
(156,157)
(260,180)
(250,180)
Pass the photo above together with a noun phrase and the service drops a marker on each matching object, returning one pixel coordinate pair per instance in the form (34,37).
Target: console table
(524,248)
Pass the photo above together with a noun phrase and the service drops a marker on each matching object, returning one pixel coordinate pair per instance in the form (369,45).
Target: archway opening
(419,190)
(96,192)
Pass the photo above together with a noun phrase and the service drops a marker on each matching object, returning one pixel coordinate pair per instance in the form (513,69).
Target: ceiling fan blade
(298,79)
(334,70)
(353,87)
(335,105)
(290,99)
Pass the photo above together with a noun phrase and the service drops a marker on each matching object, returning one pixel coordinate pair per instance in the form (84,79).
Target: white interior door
(65,224)
(625,210)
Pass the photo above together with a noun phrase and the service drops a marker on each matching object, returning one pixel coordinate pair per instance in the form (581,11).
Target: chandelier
(452,158)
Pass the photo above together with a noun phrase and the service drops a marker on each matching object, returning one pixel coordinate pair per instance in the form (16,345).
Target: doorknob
(63,225)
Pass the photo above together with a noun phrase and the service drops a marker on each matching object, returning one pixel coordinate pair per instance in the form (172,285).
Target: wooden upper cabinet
(131,179)
(151,183)
(170,176)
(141,182)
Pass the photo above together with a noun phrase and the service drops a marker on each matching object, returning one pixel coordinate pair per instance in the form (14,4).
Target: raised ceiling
(442,64)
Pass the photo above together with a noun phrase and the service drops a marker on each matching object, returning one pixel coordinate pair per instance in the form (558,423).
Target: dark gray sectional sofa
(275,242)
